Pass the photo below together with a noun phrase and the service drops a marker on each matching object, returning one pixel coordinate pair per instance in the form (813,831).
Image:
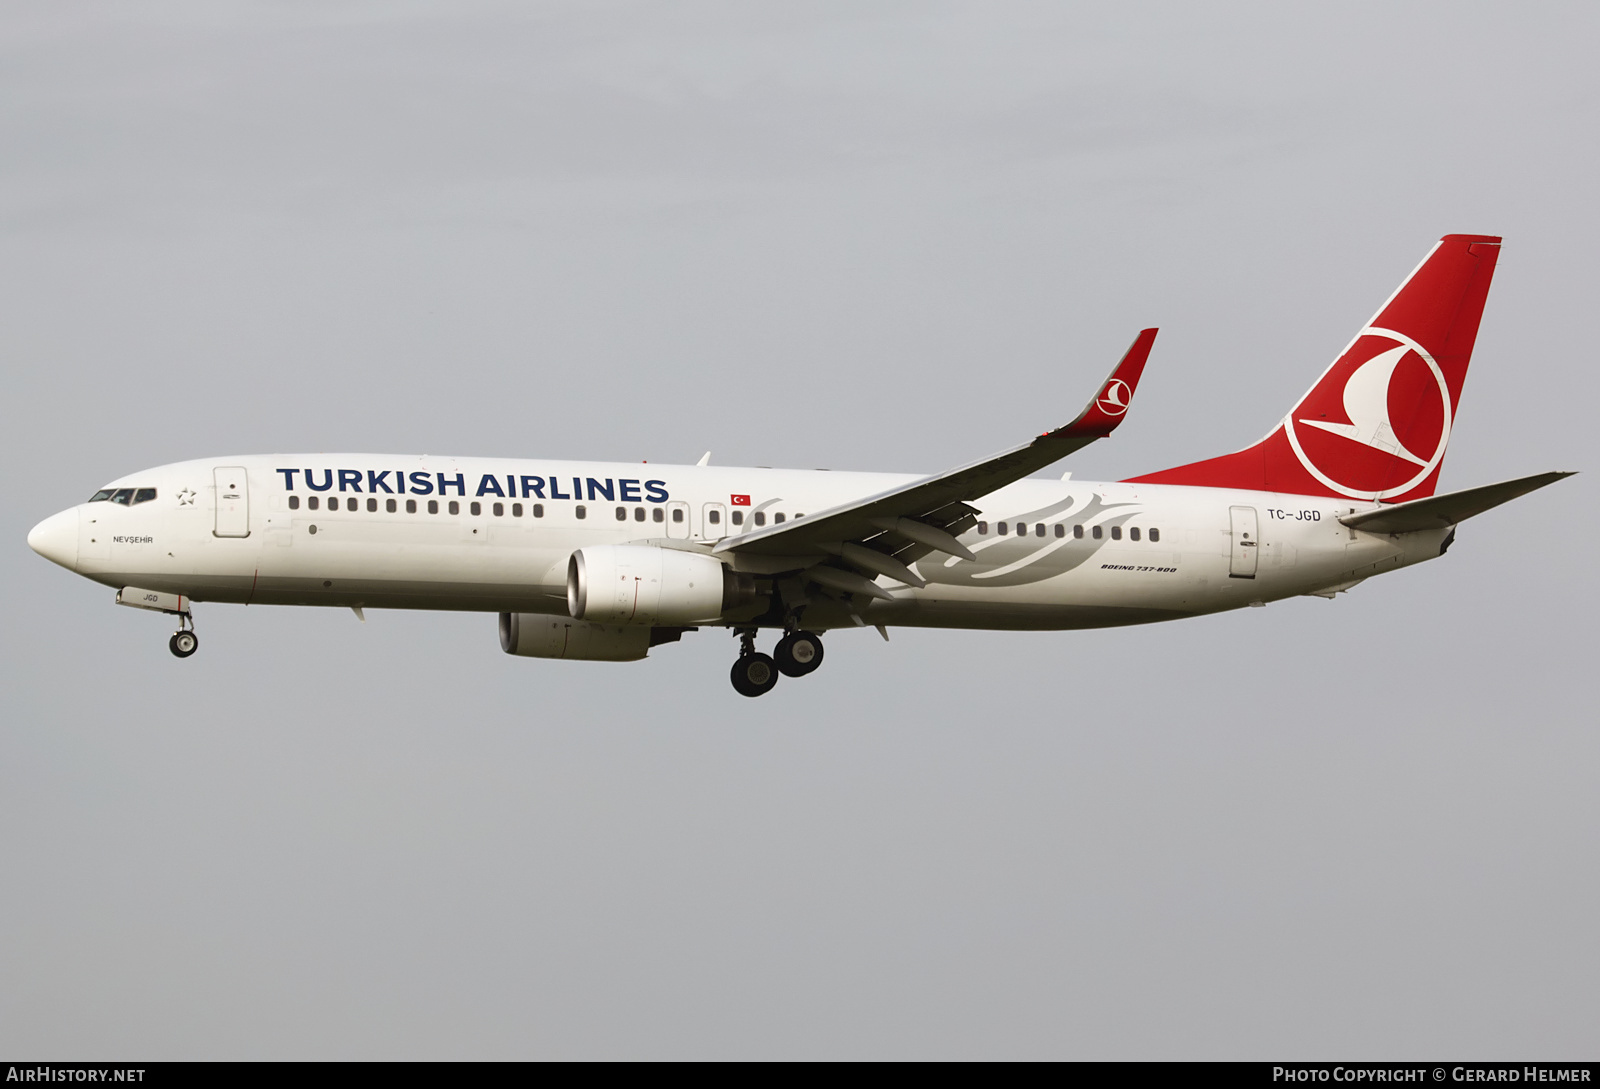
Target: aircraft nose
(56,539)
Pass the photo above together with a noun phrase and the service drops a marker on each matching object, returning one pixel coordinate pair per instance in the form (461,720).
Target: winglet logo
(1114,399)
(1378,422)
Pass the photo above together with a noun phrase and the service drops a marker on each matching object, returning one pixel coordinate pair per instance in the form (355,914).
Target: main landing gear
(755,674)
(798,653)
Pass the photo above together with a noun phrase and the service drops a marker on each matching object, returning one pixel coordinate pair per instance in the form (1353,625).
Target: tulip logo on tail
(1114,400)
(1378,422)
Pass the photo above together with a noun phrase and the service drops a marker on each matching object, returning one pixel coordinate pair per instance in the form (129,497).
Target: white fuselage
(259,530)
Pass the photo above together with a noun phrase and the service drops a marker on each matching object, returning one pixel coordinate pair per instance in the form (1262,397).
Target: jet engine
(539,635)
(645,585)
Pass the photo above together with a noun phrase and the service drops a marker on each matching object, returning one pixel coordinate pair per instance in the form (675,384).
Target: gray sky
(892,236)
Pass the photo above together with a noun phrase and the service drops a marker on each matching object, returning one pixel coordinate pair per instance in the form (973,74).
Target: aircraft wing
(1441,511)
(907,523)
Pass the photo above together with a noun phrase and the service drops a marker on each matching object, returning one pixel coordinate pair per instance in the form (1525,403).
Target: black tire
(798,653)
(754,675)
(183,643)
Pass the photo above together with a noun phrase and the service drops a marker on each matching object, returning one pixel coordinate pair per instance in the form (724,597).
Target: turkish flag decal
(739,500)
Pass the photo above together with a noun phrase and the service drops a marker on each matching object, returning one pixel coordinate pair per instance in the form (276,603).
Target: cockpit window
(126,496)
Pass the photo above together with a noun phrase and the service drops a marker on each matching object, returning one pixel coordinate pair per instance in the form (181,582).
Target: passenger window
(1038,530)
(389,506)
(1097,532)
(101,496)
(1077,533)
(433,506)
(582,511)
(638,514)
(658,515)
(1155,536)
(411,506)
(144,495)
(738,517)
(983,529)
(294,502)
(538,510)
(1133,534)
(476,508)
(1061,530)
(333,502)
(622,514)
(1000,528)
(714,516)
(123,496)
(1116,533)
(455,508)
(677,516)
(777,518)
(372,505)
(311,502)
(761,517)
(516,510)
(1022,529)
(499,510)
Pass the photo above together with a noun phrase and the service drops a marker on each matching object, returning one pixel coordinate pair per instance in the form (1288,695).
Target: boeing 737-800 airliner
(604,561)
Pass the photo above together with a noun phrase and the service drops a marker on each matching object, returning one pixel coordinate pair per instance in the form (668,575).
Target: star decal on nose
(186,498)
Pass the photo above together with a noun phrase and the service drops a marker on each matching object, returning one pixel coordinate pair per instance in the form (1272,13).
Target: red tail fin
(1376,423)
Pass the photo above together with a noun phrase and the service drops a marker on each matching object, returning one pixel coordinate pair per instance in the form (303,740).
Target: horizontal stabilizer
(1440,511)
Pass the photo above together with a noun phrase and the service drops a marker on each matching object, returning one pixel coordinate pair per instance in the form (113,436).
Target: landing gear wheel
(798,653)
(754,675)
(183,643)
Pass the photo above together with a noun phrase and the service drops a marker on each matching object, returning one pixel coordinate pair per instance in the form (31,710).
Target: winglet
(1105,412)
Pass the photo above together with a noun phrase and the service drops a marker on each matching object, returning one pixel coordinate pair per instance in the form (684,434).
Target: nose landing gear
(184,641)
(755,674)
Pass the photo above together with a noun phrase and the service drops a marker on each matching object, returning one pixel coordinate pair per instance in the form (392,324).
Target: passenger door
(233,501)
(1246,543)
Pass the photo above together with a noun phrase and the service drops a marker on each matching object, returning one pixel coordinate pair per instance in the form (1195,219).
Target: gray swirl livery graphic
(1019,560)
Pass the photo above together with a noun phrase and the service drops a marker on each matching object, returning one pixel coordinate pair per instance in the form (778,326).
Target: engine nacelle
(539,635)
(644,585)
